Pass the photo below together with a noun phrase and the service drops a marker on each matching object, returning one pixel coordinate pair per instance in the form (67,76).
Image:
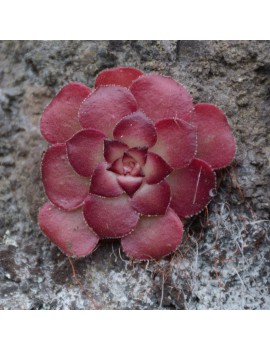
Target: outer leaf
(154,237)
(110,217)
(67,230)
(176,142)
(85,151)
(103,109)
(216,144)
(192,188)
(64,187)
(161,97)
(60,118)
(123,76)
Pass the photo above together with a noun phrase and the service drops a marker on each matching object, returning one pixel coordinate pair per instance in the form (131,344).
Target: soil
(224,260)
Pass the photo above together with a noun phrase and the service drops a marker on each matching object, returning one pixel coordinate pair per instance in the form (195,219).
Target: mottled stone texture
(225,257)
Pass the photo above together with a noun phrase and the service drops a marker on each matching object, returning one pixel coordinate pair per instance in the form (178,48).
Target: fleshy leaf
(104,182)
(216,144)
(155,169)
(161,97)
(176,142)
(63,186)
(117,166)
(129,183)
(123,76)
(188,117)
(113,150)
(137,171)
(85,151)
(154,237)
(110,217)
(67,230)
(128,163)
(131,166)
(152,199)
(103,109)
(192,188)
(136,130)
(139,154)
(60,118)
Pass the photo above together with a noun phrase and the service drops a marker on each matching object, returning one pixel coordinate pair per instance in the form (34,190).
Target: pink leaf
(129,183)
(161,97)
(113,150)
(117,166)
(154,237)
(104,182)
(192,188)
(137,171)
(64,187)
(67,230)
(110,217)
(176,142)
(123,76)
(152,199)
(103,109)
(131,166)
(85,151)
(139,154)
(216,144)
(155,169)
(136,130)
(60,118)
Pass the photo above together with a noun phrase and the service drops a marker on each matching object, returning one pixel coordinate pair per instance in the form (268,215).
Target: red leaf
(128,164)
(161,97)
(103,109)
(216,144)
(176,142)
(137,171)
(154,237)
(155,169)
(64,187)
(113,150)
(192,188)
(117,166)
(136,130)
(60,118)
(139,154)
(110,217)
(152,199)
(104,182)
(85,151)
(67,230)
(123,76)
(129,183)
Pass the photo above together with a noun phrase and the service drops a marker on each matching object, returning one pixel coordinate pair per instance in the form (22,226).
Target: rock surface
(224,260)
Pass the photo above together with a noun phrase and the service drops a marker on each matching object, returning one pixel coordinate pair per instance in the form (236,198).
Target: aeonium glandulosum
(129,159)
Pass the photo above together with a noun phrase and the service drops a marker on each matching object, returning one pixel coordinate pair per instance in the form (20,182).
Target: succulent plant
(129,159)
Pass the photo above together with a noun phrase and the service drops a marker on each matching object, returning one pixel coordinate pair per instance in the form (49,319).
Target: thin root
(77,281)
